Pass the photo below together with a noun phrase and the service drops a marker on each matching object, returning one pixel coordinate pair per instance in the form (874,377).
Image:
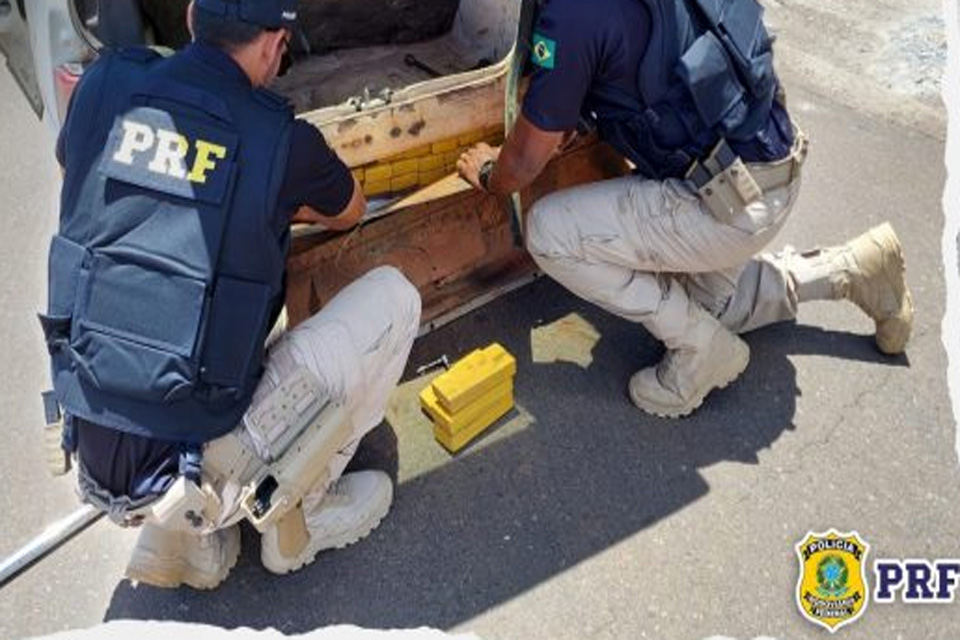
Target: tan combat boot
(868,271)
(701,356)
(168,559)
(348,511)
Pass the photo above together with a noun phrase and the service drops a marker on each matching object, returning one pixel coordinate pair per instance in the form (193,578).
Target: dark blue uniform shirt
(583,44)
(132,465)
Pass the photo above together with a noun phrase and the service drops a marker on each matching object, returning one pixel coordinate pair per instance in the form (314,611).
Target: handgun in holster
(299,431)
(724,183)
(305,430)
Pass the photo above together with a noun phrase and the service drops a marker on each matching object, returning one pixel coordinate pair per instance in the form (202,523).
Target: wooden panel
(418,115)
(454,243)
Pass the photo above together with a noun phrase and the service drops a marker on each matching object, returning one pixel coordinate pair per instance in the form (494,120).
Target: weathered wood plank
(418,115)
(452,242)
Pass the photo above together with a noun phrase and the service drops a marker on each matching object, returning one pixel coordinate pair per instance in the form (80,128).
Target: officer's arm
(523,156)
(350,216)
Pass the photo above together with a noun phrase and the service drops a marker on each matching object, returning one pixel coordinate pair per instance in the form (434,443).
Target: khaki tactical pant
(357,347)
(616,243)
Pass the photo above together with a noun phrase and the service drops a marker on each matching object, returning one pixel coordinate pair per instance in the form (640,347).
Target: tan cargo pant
(615,243)
(357,347)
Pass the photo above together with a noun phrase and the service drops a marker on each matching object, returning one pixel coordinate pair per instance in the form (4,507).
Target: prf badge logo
(832,588)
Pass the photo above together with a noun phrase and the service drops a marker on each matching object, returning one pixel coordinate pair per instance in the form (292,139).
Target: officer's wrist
(483,175)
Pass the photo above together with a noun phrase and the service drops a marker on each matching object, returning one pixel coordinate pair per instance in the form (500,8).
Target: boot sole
(738,360)
(893,333)
(310,554)
(156,572)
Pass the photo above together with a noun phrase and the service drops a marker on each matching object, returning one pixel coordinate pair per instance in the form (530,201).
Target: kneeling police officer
(181,177)
(685,90)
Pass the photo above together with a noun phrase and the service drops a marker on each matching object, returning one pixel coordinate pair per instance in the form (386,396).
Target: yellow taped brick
(403,167)
(471,138)
(399,183)
(453,442)
(376,188)
(358,173)
(472,376)
(479,409)
(429,177)
(412,153)
(379,173)
(430,163)
(444,146)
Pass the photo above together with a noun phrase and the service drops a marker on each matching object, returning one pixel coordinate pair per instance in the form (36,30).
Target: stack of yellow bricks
(421,166)
(470,396)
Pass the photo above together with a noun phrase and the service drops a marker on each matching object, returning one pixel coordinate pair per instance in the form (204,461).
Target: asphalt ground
(589,519)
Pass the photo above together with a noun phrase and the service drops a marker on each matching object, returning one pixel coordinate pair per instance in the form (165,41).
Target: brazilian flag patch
(544,52)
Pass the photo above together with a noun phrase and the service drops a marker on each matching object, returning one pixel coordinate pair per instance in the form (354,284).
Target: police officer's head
(256,33)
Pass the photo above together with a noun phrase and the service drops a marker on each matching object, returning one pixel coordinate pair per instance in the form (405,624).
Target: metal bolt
(442,361)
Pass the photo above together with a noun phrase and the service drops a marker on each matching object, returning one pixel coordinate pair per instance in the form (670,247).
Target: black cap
(269,14)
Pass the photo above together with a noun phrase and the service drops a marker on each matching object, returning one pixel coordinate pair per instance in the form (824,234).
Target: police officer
(181,177)
(687,92)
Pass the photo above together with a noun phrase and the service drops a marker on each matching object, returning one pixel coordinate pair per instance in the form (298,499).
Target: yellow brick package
(472,376)
(421,166)
(478,410)
(453,442)
(472,395)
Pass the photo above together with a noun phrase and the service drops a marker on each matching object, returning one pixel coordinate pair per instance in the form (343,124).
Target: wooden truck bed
(453,242)
(401,131)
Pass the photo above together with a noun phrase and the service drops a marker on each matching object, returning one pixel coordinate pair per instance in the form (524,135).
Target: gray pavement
(593,521)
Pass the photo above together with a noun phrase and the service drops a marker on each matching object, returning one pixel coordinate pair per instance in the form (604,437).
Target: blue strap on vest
(165,271)
(191,460)
(707,74)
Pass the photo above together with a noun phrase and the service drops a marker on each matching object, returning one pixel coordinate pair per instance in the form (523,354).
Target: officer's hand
(306,215)
(468,166)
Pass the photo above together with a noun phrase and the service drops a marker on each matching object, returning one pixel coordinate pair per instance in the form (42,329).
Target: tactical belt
(772,175)
(727,185)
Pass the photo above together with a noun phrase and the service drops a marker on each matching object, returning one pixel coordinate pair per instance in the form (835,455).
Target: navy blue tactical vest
(707,73)
(167,271)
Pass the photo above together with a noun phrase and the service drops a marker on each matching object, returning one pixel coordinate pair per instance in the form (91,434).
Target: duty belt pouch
(724,184)
(729,192)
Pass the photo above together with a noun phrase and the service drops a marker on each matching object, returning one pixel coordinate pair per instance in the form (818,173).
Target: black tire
(169,21)
(336,24)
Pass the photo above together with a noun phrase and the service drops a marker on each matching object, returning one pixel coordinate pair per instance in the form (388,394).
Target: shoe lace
(667,369)
(336,493)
